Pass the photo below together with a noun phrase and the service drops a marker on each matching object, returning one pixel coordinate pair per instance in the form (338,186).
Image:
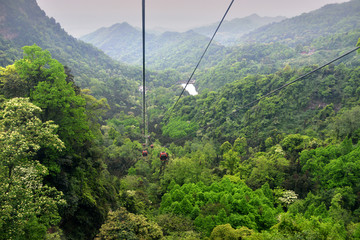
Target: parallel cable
(296,80)
(272,92)
(202,56)
(144,82)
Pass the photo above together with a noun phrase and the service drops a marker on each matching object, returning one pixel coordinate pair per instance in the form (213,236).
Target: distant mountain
(231,31)
(182,51)
(120,41)
(328,20)
(168,50)
(172,49)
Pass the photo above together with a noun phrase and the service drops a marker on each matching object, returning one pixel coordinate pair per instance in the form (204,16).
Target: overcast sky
(79,17)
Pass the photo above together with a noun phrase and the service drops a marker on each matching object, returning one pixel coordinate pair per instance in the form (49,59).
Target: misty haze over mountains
(81,17)
(123,42)
(228,34)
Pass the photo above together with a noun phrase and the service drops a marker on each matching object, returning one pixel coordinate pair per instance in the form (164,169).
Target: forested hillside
(259,58)
(312,38)
(24,23)
(295,109)
(72,161)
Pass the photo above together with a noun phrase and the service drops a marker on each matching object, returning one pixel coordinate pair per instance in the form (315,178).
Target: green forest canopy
(71,168)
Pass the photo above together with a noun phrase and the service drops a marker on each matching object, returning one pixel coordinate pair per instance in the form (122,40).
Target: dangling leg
(162,167)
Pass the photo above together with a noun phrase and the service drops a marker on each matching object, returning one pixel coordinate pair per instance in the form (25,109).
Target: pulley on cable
(144,78)
(144,153)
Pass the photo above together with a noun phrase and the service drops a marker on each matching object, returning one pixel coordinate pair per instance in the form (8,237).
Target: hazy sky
(79,17)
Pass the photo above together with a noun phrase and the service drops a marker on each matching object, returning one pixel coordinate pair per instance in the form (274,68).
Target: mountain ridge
(326,20)
(124,43)
(231,30)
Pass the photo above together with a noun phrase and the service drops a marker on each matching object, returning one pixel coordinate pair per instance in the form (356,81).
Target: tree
(22,133)
(178,128)
(231,160)
(225,147)
(27,207)
(240,145)
(95,110)
(37,66)
(225,232)
(347,124)
(121,158)
(267,167)
(11,85)
(121,224)
(43,79)
(65,108)
(78,171)
(288,197)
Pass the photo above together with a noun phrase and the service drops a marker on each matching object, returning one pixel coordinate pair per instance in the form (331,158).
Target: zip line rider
(144,153)
(164,158)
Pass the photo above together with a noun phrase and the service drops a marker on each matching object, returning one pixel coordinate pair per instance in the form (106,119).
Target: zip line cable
(202,56)
(143,73)
(273,91)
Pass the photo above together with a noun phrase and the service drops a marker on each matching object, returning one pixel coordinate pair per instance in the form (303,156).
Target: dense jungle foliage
(267,58)
(286,167)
